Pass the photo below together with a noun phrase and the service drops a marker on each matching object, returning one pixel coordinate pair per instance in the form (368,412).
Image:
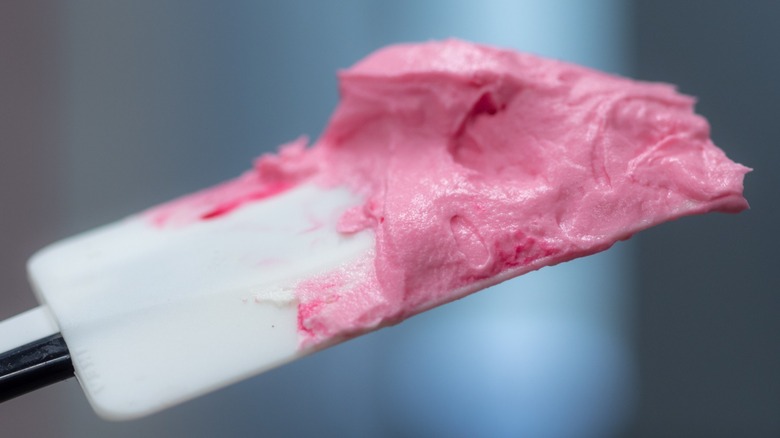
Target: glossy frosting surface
(479,164)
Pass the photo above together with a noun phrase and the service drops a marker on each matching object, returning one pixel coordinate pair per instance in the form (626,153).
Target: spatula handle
(35,365)
(32,353)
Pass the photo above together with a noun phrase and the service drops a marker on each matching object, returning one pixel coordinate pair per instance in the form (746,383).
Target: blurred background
(109,107)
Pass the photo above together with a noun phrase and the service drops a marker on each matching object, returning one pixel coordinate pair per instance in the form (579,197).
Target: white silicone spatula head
(154,316)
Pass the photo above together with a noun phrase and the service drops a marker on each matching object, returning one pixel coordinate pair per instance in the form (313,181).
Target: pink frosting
(479,164)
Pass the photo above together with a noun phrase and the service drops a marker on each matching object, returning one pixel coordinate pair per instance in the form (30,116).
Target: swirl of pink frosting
(479,164)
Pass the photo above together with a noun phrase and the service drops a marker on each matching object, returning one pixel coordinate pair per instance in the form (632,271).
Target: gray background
(708,302)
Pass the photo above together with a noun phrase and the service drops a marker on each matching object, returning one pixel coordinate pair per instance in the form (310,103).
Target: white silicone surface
(26,327)
(155,316)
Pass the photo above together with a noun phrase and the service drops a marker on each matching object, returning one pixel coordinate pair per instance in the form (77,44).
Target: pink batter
(477,165)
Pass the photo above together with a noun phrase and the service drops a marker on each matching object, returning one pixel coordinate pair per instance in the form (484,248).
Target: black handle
(33,366)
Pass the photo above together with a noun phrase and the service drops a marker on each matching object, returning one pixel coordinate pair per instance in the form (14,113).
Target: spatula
(155,316)
(448,167)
